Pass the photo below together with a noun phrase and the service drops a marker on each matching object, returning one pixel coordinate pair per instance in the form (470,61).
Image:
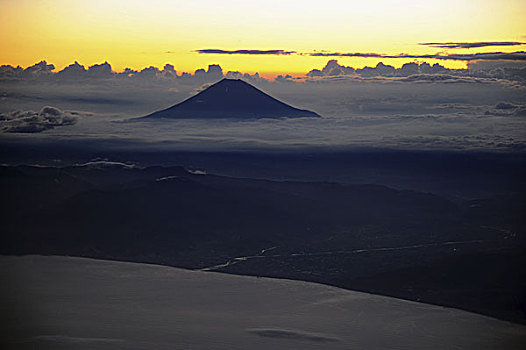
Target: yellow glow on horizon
(137,34)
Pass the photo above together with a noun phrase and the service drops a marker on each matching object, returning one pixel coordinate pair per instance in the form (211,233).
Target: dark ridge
(463,253)
(231,98)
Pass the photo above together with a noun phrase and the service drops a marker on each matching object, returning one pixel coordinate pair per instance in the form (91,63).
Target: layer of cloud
(470,45)
(32,122)
(507,109)
(383,122)
(245,52)
(423,72)
(380,122)
(489,56)
(77,73)
(511,56)
(322,90)
(415,106)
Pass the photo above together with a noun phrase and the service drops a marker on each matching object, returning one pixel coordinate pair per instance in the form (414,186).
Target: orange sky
(137,34)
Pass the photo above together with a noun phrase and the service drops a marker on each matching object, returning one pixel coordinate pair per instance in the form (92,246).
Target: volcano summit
(231,98)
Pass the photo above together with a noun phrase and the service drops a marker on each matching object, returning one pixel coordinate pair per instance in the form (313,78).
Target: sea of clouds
(417,106)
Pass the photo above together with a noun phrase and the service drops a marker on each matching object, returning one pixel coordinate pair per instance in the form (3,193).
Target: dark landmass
(231,98)
(461,251)
(467,175)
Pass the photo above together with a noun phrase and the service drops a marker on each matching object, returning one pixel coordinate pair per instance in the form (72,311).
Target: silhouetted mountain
(232,98)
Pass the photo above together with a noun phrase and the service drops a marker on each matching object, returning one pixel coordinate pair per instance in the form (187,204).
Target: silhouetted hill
(232,98)
(374,238)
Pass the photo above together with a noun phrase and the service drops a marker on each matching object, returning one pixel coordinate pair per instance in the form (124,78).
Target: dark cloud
(247,76)
(505,105)
(470,45)
(292,334)
(441,78)
(346,54)
(509,56)
(507,109)
(489,65)
(41,68)
(101,70)
(8,72)
(423,71)
(214,72)
(73,71)
(148,72)
(333,68)
(521,112)
(512,56)
(78,71)
(33,122)
(169,71)
(486,65)
(490,56)
(245,52)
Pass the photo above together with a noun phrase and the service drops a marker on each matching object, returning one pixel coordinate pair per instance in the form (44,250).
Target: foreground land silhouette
(450,251)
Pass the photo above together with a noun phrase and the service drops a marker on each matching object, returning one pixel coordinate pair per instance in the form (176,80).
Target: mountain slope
(231,98)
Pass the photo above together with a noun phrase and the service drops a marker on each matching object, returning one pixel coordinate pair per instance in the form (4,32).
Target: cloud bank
(75,71)
(489,56)
(32,122)
(415,106)
(245,52)
(470,45)
(423,71)
(492,66)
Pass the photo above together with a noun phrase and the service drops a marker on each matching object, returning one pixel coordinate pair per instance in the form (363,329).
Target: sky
(405,106)
(139,34)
